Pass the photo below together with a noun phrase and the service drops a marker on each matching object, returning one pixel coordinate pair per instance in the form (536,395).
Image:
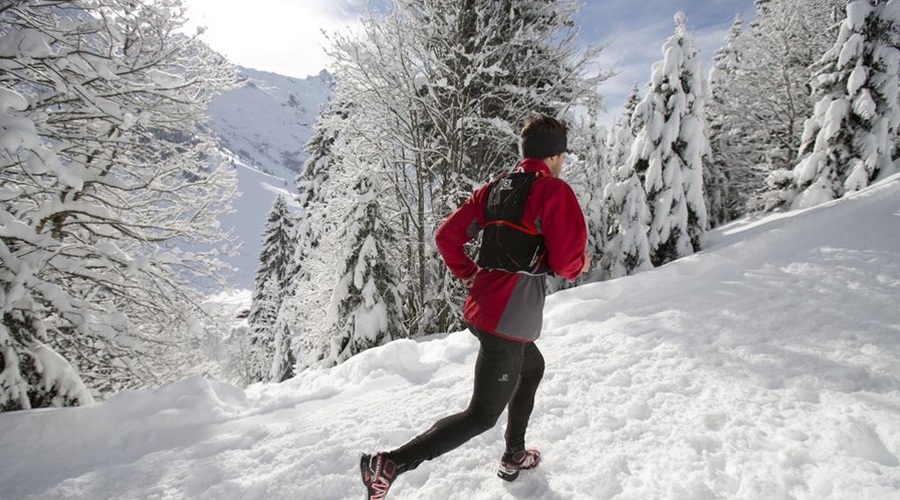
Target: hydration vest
(508,243)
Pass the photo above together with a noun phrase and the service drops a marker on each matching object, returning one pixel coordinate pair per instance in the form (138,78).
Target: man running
(531,224)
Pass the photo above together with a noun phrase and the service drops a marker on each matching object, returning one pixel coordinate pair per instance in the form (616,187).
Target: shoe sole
(507,474)
(511,473)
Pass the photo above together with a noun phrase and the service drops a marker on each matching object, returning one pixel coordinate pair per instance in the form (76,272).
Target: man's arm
(565,233)
(457,230)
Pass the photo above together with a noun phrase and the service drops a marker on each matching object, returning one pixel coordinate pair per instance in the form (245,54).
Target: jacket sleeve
(460,228)
(565,232)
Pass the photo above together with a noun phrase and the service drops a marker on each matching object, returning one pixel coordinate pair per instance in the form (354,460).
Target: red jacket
(511,305)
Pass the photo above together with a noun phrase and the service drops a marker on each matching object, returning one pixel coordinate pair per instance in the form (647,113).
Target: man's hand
(469,282)
(587,262)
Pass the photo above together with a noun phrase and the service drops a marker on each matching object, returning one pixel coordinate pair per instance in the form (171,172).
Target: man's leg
(496,376)
(522,401)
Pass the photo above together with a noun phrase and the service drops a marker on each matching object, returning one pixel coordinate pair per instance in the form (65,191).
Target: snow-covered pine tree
(260,348)
(366,305)
(276,250)
(622,135)
(106,165)
(627,250)
(618,149)
(312,270)
(283,358)
(728,183)
(762,7)
(625,202)
(671,149)
(848,143)
(269,286)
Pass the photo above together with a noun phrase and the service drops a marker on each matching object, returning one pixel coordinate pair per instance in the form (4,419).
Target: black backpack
(507,243)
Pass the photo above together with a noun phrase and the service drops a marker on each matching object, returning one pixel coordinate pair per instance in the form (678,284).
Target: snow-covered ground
(766,367)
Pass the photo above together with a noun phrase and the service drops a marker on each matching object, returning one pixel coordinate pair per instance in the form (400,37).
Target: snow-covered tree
(627,250)
(260,349)
(303,309)
(105,165)
(766,98)
(619,142)
(622,135)
(276,250)
(671,149)
(849,141)
(269,286)
(365,309)
(729,181)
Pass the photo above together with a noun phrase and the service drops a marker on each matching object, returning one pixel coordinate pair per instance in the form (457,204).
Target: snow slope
(767,367)
(268,120)
(257,192)
(265,125)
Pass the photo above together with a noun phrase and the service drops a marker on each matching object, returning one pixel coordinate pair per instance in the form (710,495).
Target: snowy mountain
(766,366)
(264,126)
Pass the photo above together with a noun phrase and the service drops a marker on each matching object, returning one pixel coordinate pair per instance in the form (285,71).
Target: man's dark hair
(542,124)
(543,137)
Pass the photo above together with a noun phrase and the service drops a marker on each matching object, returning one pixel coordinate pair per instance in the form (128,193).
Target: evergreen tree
(762,7)
(283,358)
(619,142)
(627,250)
(671,148)
(270,283)
(302,314)
(365,309)
(622,135)
(260,354)
(848,142)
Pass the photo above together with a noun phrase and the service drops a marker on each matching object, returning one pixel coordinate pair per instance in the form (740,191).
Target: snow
(58,376)
(262,125)
(864,106)
(24,43)
(857,13)
(858,77)
(165,80)
(851,50)
(11,100)
(766,366)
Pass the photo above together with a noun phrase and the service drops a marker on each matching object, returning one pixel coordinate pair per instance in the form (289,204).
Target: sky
(286,36)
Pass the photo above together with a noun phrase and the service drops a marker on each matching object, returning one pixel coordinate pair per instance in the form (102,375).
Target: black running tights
(506,372)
